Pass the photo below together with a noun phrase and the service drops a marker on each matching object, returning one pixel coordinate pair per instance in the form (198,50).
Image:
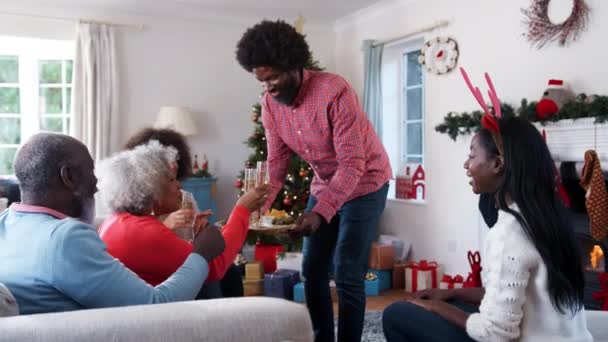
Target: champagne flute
(250,183)
(188,202)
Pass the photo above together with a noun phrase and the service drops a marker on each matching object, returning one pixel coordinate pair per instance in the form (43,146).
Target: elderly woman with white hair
(136,184)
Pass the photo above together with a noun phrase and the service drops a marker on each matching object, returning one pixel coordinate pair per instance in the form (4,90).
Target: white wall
(489,34)
(177,61)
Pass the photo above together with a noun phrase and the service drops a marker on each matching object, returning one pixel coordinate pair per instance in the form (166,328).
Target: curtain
(372,91)
(95,93)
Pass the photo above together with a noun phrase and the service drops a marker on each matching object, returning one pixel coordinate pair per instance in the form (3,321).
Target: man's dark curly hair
(273,44)
(166,137)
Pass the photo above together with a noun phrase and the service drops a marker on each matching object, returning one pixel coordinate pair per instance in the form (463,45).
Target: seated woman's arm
(235,233)
(235,230)
(471,294)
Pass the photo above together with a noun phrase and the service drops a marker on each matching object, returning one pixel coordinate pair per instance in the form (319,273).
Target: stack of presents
(387,270)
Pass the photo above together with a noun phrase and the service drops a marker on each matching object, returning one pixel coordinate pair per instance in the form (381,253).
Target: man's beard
(288,92)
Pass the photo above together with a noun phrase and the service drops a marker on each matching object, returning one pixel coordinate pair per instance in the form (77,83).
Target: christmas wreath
(542,31)
(583,106)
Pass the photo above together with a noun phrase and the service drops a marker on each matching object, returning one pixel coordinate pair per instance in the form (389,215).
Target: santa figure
(553,99)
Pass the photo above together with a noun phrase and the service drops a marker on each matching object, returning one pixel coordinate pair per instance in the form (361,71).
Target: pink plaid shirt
(327,127)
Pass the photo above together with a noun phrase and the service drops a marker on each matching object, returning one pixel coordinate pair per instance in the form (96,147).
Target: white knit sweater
(516,305)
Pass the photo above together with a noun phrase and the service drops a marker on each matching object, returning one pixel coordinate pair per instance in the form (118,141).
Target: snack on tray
(277,218)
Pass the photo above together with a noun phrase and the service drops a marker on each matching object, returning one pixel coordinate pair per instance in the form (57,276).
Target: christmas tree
(296,188)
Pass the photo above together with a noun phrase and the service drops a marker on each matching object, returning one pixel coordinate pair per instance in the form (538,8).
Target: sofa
(246,319)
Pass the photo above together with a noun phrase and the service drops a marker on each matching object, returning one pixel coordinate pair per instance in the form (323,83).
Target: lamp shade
(179,119)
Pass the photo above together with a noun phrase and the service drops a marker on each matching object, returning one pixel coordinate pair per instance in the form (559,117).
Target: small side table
(203,190)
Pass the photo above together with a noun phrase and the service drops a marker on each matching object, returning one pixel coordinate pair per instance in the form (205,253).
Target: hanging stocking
(596,201)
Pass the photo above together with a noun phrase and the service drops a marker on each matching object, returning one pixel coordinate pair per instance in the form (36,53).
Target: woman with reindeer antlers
(533,280)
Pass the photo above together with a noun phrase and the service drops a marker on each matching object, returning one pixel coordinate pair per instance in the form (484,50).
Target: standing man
(317,115)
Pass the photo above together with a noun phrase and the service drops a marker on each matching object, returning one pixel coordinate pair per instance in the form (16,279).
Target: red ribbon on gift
(451,281)
(602,295)
(423,265)
(475,262)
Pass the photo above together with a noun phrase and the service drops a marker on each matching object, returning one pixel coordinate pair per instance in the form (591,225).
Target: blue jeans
(404,321)
(342,246)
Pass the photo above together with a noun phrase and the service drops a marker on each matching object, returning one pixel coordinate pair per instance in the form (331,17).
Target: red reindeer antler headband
(488,120)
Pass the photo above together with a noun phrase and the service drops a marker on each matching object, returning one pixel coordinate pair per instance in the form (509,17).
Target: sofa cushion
(8,304)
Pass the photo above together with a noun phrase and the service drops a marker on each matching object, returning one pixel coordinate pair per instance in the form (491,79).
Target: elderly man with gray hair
(52,259)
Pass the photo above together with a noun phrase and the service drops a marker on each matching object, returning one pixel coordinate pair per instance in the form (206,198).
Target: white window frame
(30,51)
(405,120)
(394,120)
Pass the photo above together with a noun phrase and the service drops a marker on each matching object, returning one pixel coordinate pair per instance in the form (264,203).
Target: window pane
(69,66)
(50,100)
(10,131)
(9,100)
(50,71)
(52,124)
(414,104)
(67,126)
(414,160)
(9,69)
(414,138)
(7,155)
(414,69)
(68,100)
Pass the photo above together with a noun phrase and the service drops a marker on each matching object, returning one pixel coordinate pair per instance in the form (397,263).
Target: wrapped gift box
(280,283)
(402,248)
(399,276)
(253,287)
(290,261)
(449,282)
(381,257)
(267,255)
(254,271)
(298,293)
(422,275)
(384,279)
(372,287)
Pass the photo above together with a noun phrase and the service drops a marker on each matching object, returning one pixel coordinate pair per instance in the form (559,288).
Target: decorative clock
(439,55)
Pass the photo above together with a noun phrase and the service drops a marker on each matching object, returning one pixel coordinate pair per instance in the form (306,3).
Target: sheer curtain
(372,92)
(95,93)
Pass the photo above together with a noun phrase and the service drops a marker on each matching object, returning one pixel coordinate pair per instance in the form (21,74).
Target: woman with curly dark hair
(318,116)
(167,137)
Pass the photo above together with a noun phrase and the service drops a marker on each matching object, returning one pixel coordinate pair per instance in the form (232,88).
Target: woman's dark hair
(272,44)
(529,178)
(167,137)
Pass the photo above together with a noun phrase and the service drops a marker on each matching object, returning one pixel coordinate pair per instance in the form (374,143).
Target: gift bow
(449,279)
(603,294)
(371,276)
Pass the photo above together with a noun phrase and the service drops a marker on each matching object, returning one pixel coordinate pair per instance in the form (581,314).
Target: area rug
(372,328)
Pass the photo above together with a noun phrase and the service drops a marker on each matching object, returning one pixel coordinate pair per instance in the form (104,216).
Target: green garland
(583,106)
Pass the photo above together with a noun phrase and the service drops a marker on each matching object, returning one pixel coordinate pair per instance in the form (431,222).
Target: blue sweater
(55,264)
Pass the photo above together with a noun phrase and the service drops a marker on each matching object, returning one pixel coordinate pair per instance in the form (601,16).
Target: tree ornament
(287,201)
(254,117)
(542,31)
(303,173)
(238,184)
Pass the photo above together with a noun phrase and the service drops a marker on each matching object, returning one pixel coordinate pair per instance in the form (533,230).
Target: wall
(178,61)
(489,34)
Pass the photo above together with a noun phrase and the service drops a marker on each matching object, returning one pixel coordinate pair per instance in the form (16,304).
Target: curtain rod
(436,25)
(138,27)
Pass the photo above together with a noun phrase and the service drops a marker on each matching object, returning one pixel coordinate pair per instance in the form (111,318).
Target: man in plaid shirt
(317,115)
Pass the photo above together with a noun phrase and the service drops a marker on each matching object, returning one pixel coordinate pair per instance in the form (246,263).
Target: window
(412,111)
(403,106)
(35,91)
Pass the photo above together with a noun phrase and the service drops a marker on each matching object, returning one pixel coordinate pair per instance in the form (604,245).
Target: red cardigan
(154,252)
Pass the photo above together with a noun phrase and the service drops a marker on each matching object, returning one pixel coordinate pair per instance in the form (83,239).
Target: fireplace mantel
(569,139)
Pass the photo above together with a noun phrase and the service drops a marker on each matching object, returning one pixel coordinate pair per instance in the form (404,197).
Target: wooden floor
(378,303)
